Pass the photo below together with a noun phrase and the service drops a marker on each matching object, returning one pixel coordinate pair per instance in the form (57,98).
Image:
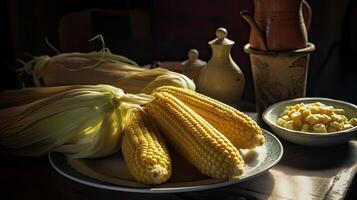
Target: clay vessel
(283,24)
(279,75)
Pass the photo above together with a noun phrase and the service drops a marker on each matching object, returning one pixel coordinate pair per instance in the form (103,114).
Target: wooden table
(303,173)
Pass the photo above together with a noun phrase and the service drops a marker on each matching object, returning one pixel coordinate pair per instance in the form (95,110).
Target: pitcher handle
(306,11)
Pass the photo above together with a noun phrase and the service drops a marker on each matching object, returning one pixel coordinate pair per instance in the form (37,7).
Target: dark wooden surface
(303,173)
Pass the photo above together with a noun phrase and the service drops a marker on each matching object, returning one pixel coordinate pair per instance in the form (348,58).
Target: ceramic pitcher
(283,24)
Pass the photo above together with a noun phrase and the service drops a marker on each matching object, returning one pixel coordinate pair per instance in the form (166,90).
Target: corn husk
(102,67)
(9,98)
(82,122)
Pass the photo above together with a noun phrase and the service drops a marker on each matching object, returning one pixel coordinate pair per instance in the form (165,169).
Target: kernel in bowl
(322,135)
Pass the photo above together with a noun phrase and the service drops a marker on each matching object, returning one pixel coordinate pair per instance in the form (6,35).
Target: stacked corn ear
(239,128)
(83,122)
(144,149)
(194,138)
(101,67)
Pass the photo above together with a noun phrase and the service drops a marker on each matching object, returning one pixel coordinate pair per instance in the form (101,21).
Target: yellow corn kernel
(319,104)
(284,113)
(319,116)
(305,128)
(280,122)
(328,107)
(295,115)
(336,126)
(338,118)
(298,106)
(325,119)
(314,110)
(312,119)
(353,121)
(285,117)
(326,110)
(289,107)
(319,128)
(302,109)
(344,122)
(239,128)
(338,111)
(347,126)
(331,129)
(296,118)
(289,125)
(291,112)
(306,113)
(194,138)
(144,150)
(333,119)
(298,125)
(322,118)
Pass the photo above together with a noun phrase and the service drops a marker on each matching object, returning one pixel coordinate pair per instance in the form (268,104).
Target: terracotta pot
(279,75)
(281,24)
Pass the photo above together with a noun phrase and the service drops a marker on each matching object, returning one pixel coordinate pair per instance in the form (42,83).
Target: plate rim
(112,187)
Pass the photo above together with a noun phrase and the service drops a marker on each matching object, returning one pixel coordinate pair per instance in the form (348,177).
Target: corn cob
(194,138)
(144,150)
(239,128)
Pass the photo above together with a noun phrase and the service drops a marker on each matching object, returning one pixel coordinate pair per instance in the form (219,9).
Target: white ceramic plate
(111,173)
(271,114)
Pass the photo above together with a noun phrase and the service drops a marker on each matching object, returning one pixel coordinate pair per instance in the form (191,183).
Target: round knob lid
(193,60)
(193,54)
(221,34)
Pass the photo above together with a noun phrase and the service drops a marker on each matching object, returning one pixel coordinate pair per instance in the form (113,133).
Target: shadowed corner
(312,158)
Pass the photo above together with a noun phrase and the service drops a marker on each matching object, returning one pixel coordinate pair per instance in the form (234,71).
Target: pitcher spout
(257,39)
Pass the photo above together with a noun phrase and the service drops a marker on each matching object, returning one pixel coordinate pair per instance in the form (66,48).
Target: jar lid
(221,34)
(193,60)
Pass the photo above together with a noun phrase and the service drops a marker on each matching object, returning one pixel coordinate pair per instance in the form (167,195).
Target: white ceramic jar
(221,78)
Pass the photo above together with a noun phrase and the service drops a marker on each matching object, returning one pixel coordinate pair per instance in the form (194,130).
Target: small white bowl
(271,114)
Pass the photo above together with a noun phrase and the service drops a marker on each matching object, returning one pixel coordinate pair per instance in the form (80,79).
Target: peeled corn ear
(144,150)
(194,138)
(239,128)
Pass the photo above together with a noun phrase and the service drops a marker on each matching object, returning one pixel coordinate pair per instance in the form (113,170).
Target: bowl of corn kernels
(313,121)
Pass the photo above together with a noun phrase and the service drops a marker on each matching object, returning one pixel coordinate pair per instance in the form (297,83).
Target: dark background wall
(151,30)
